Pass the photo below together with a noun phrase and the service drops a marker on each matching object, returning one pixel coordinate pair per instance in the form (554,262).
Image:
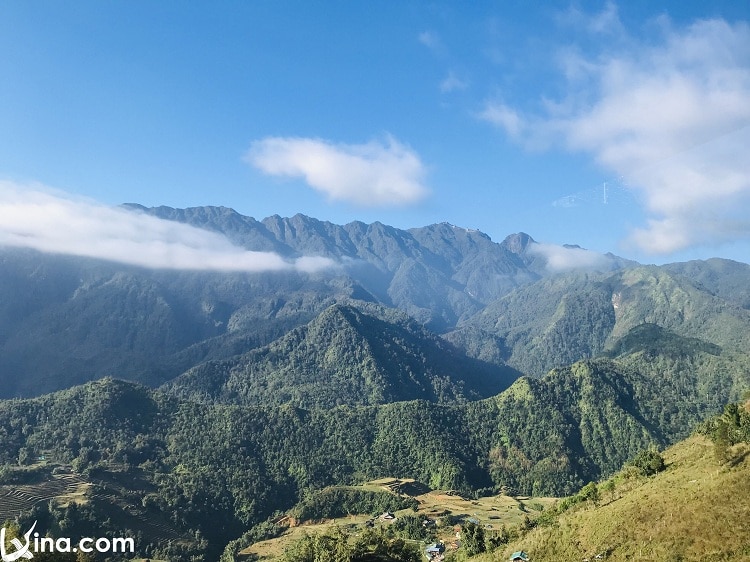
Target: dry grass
(696,510)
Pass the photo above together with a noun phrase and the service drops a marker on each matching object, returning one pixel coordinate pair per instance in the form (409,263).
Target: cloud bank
(671,116)
(37,218)
(375,174)
(566,258)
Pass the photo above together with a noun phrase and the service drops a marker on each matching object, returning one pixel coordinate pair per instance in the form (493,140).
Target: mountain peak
(517,243)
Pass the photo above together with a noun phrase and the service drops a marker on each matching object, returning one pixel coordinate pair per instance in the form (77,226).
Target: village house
(435,552)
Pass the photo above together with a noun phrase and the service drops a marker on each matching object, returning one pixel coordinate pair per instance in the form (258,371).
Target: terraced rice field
(117,494)
(22,497)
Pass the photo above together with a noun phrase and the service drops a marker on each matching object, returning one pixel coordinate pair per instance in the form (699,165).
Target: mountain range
(65,320)
(432,353)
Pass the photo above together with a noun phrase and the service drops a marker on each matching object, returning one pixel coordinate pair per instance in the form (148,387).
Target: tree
(721,441)
(25,456)
(410,527)
(472,538)
(374,546)
(590,492)
(609,488)
(648,462)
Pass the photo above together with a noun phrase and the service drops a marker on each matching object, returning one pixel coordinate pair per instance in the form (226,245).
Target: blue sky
(500,116)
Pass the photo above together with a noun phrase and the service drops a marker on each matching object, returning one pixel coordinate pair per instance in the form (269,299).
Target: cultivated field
(21,497)
(119,494)
(444,506)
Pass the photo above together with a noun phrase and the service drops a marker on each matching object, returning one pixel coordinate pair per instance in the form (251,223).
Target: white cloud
(566,201)
(565,258)
(671,116)
(503,116)
(38,218)
(429,39)
(606,22)
(371,174)
(452,83)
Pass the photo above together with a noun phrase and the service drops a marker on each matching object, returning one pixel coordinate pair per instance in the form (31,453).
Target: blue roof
(520,555)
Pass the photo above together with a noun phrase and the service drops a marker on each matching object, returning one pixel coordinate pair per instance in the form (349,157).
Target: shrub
(648,462)
(590,492)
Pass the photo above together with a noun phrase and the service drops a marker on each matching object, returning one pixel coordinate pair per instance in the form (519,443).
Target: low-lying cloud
(566,258)
(38,218)
(374,174)
(671,116)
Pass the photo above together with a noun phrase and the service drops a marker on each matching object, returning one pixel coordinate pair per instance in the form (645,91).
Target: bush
(590,492)
(410,527)
(648,462)
(262,531)
(341,501)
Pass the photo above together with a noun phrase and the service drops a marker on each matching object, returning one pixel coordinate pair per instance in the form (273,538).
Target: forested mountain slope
(277,383)
(353,354)
(239,464)
(724,278)
(65,320)
(562,319)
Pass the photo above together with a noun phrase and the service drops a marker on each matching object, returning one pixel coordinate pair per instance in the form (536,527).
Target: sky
(620,127)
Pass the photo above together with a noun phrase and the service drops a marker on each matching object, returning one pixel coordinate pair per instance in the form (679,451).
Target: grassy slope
(694,510)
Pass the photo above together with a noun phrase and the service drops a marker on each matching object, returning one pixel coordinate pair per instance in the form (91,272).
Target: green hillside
(724,278)
(405,359)
(355,354)
(560,320)
(199,463)
(696,510)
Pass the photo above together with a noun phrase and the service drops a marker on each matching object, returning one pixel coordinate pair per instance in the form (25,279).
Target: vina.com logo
(22,550)
(27,548)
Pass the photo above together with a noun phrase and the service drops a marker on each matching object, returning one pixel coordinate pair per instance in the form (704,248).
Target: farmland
(65,487)
(445,507)
(119,494)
